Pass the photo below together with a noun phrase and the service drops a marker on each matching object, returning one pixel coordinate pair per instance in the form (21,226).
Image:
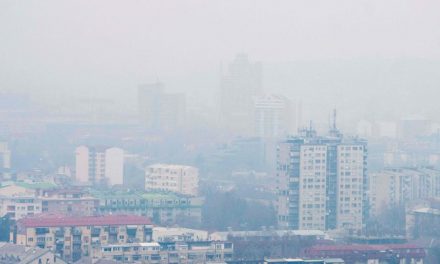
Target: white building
(275,116)
(175,178)
(99,165)
(397,186)
(19,206)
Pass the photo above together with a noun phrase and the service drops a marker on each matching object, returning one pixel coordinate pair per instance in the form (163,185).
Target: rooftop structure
(222,236)
(60,221)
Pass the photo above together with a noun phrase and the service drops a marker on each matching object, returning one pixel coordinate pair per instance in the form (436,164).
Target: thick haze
(365,57)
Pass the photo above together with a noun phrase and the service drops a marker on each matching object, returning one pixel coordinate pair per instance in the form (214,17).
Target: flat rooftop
(65,221)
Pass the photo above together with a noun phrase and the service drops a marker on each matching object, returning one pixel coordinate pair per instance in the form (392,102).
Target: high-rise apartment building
(99,165)
(175,178)
(159,110)
(239,86)
(322,182)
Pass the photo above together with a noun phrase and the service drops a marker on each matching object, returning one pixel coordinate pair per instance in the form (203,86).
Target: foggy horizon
(104,50)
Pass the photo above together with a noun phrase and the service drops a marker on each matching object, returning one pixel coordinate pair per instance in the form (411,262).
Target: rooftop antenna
(333,128)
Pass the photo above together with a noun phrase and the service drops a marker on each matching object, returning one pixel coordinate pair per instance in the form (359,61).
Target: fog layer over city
(211,132)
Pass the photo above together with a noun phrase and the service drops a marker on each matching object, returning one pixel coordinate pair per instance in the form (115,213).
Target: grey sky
(111,46)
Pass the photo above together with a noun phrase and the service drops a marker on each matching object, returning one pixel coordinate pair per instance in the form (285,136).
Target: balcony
(59,233)
(76,240)
(41,230)
(96,232)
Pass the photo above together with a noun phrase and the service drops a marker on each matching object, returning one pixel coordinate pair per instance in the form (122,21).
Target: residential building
(322,182)
(399,186)
(69,202)
(19,206)
(162,208)
(99,165)
(422,219)
(241,83)
(158,110)
(276,116)
(18,254)
(174,178)
(182,252)
(74,236)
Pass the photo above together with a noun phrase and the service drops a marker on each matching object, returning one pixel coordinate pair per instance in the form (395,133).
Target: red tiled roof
(60,221)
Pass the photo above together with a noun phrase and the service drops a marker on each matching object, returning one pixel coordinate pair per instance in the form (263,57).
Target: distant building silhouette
(159,110)
(5,161)
(239,86)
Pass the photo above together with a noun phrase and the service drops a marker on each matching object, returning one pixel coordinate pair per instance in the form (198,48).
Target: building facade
(74,237)
(99,165)
(399,186)
(162,208)
(69,202)
(182,252)
(17,207)
(322,182)
(173,178)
